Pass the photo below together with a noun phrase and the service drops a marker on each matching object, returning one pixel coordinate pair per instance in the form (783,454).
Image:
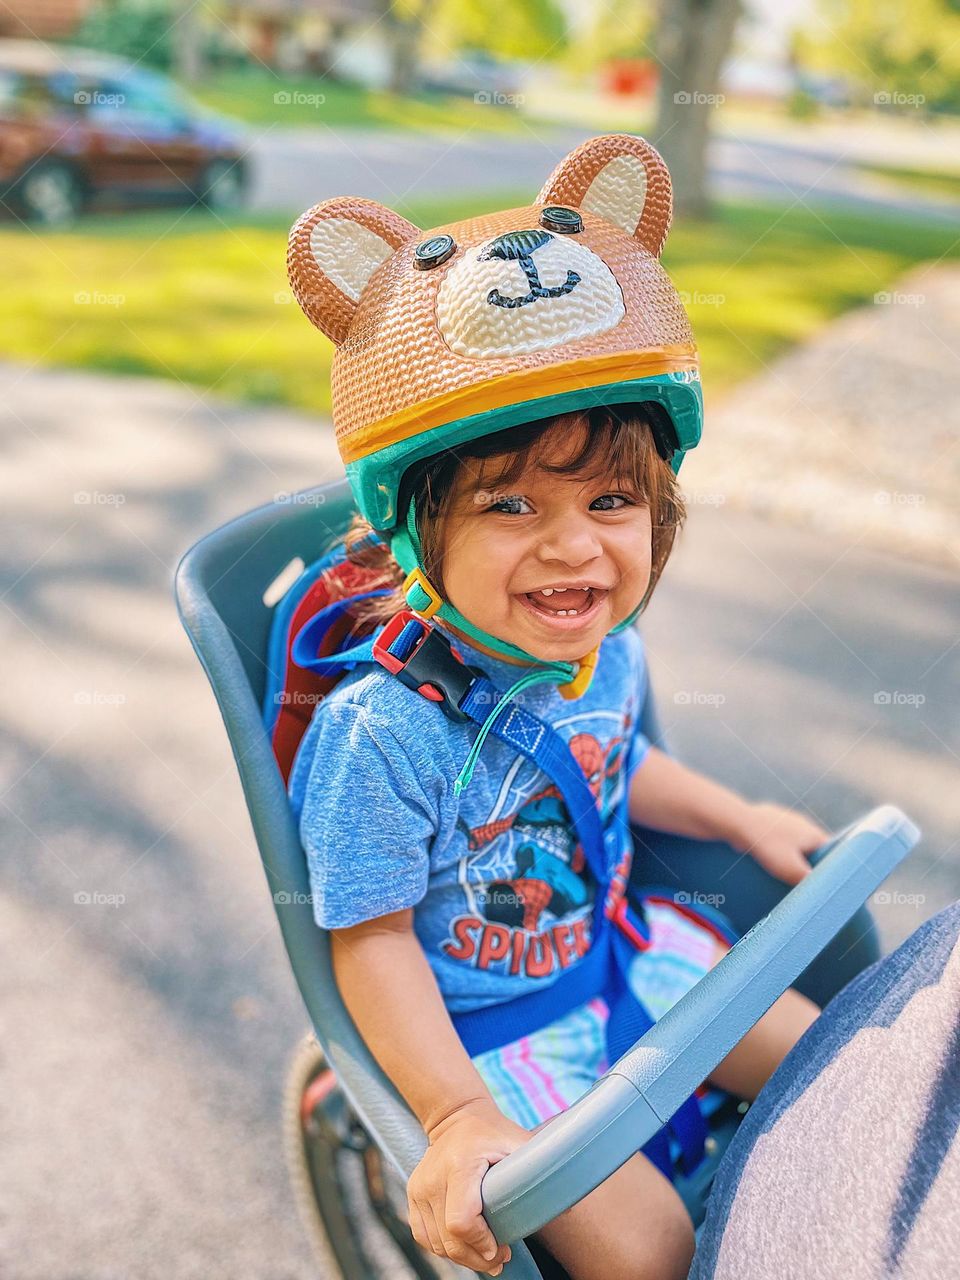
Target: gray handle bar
(581,1147)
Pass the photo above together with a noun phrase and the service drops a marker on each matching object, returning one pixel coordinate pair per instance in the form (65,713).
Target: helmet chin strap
(572,678)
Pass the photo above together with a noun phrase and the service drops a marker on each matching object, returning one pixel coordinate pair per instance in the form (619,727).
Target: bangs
(615,441)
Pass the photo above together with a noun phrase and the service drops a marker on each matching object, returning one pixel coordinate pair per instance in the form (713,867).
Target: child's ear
(618,177)
(333,250)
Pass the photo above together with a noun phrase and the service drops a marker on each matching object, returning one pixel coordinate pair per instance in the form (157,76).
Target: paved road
(856,430)
(295,167)
(146,1031)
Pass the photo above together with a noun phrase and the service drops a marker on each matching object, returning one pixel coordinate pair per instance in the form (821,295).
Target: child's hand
(443,1194)
(778,838)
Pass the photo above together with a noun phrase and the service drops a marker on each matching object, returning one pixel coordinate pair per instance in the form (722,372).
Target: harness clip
(432,667)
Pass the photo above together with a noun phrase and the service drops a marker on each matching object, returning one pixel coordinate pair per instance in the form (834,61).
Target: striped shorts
(540,1075)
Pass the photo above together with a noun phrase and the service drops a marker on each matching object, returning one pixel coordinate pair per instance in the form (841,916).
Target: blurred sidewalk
(856,432)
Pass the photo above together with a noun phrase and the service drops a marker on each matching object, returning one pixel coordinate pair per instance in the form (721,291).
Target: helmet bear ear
(619,177)
(333,250)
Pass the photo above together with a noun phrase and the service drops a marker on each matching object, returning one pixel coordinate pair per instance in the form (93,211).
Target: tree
(902,53)
(522,29)
(188,43)
(405,23)
(620,29)
(692,42)
(136,29)
(527,29)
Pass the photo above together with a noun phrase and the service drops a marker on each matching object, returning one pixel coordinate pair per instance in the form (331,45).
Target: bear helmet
(446,335)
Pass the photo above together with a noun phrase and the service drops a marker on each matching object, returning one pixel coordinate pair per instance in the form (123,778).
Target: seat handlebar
(578,1149)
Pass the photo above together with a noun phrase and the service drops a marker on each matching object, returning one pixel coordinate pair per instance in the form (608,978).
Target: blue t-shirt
(501,894)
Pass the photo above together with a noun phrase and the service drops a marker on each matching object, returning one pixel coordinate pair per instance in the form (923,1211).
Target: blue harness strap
(603,970)
(307,642)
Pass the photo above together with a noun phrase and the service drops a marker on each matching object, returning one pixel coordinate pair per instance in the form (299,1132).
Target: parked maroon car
(81,129)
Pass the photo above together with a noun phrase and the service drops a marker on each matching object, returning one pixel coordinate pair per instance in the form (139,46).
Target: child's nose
(572,541)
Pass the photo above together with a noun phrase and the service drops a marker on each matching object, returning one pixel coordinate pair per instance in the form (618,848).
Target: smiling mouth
(578,607)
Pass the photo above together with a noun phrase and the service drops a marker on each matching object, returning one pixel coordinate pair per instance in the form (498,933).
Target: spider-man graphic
(548,880)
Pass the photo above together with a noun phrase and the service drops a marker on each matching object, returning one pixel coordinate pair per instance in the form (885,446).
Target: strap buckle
(433,668)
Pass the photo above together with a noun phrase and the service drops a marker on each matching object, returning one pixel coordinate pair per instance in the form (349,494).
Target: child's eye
(512,503)
(611,497)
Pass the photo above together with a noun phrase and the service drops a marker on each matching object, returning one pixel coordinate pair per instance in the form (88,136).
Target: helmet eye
(430,253)
(555,217)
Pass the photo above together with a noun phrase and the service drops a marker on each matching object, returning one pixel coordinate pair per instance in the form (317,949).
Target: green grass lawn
(259,96)
(178,295)
(940,181)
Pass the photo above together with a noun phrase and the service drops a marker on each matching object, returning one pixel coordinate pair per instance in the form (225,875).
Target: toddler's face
(507,554)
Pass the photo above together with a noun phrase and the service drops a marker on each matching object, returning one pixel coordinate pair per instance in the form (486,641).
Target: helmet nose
(516,244)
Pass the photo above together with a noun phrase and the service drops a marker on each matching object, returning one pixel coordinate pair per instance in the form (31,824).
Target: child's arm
(666,795)
(392,996)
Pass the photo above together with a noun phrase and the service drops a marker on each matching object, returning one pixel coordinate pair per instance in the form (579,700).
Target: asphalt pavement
(146,1003)
(294,167)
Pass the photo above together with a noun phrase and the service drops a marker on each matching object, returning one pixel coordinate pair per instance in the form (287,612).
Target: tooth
(547,591)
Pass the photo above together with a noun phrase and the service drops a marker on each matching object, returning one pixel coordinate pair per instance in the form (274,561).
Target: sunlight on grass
(943,182)
(258,96)
(181,296)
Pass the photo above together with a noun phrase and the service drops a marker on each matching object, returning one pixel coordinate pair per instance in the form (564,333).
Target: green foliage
(802,106)
(136,29)
(522,29)
(621,29)
(899,53)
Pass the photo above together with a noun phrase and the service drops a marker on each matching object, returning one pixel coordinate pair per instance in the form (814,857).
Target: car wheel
(50,194)
(222,185)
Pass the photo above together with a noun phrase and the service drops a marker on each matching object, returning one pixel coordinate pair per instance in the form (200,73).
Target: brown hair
(620,440)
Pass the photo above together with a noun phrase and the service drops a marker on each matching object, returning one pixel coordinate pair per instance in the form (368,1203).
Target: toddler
(447,863)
